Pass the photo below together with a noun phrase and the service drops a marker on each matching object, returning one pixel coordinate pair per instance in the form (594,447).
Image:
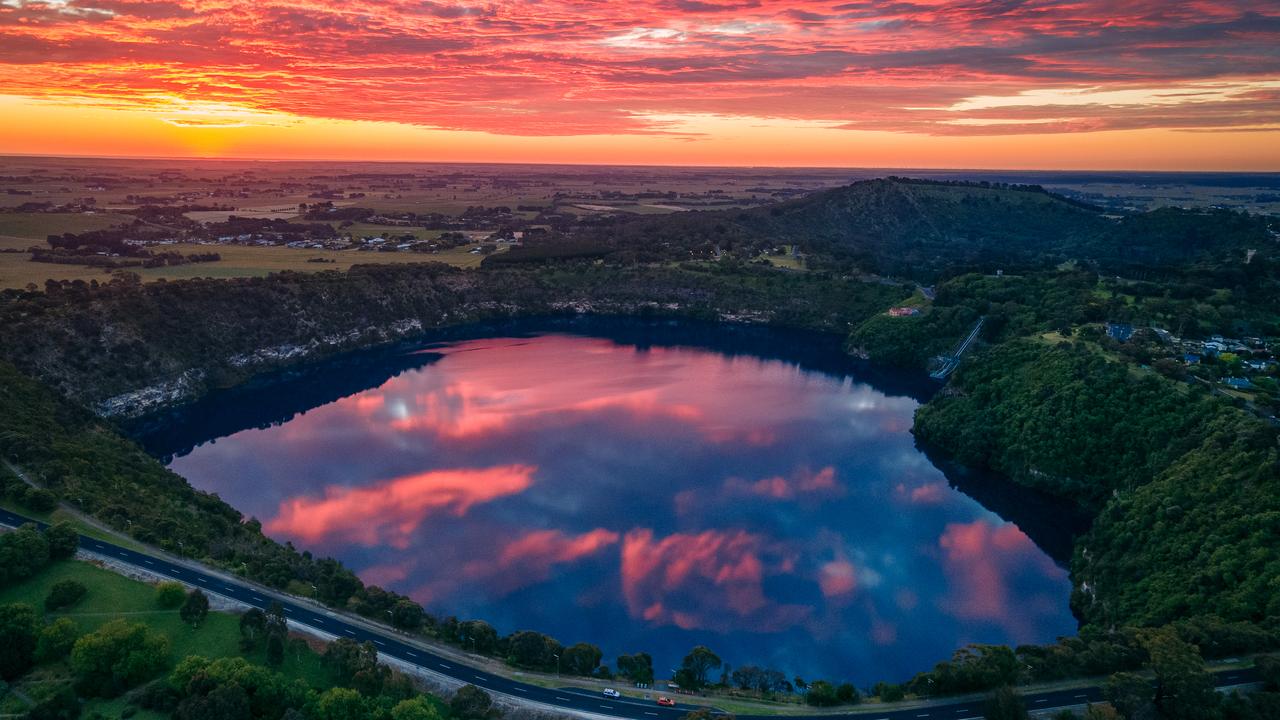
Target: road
(391,644)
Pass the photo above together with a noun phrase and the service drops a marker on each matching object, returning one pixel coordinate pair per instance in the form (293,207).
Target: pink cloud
(698,581)
(389,512)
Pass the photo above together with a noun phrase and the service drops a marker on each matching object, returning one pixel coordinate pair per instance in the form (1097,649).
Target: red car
(666,701)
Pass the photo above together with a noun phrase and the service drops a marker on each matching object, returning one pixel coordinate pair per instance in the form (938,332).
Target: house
(903,311)
(1120,332)
(1239,383)
(1191,359)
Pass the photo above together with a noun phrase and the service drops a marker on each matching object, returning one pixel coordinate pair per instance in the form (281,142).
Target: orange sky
(1145,84)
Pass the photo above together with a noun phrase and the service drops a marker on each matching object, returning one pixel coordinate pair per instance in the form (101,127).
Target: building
(1121,332)
(903,311)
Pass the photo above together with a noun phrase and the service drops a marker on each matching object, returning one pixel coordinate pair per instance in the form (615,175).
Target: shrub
(170,594)
(64,594)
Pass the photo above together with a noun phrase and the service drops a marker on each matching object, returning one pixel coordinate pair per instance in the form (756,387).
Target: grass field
(17,270)
(40,225)
(114,596)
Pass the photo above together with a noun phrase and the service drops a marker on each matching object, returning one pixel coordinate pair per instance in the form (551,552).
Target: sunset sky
(1147,84)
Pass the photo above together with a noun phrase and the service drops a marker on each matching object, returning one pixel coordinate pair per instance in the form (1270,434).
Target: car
(666,701)
(610,692)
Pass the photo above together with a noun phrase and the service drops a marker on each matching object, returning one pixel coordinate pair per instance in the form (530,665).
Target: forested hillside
(927,230)
(1186,488)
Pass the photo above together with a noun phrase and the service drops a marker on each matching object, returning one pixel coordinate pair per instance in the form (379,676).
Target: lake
(644,486)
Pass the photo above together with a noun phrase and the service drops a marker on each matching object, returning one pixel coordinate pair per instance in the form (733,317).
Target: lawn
(114,596)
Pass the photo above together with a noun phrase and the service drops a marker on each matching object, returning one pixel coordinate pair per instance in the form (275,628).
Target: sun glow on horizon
(1088,84)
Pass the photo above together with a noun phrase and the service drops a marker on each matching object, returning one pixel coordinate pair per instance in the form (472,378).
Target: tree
(417,708)
(693,671)
(1183,688)
(195,608)
(407,614)
(1004,704)
(821,694)
(170,594)
(847,694)
(18,624)
(22,553)
(116,657)
(470,703)
(581,659)
(253,626)
(637,668)
(1131,695)
(275,650)
(63,540)
(61,704)
(478,635)
(224,702)
(64,594)
(56,640)
(341,704)
(276,622)
(533,650)
(1269,668)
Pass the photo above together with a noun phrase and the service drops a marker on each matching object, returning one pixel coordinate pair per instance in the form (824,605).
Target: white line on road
(446,667)
(349,631)
(147,561)
(607,707)
(520,690)
(1042,700)
(410,653)
(562,698)
(646,712)
(379,642)
(1081,696)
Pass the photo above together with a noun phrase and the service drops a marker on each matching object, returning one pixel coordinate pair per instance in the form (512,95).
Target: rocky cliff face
(128,351)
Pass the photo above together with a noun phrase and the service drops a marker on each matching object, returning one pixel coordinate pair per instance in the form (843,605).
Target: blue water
(642,487)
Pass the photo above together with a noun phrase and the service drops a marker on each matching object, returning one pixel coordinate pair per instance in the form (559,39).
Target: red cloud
(695,581)
(389,512)
(570,67)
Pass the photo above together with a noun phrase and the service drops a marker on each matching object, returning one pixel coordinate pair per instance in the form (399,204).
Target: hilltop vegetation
(928,230)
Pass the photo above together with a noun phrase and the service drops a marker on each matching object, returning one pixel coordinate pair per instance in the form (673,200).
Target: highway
(391,644)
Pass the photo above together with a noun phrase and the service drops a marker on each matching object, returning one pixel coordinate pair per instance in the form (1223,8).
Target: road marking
(562,698)
(1042,700)
(349,631)
(646,712)
(255,597)
(206,582)
(320,620)
(1081,696)
(607,707)
(446,667)
(378,641)
(923,715)
(411,653)
(520,690)
(148,562)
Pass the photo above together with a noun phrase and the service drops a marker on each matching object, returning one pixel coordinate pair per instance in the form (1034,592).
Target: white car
(610,692)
